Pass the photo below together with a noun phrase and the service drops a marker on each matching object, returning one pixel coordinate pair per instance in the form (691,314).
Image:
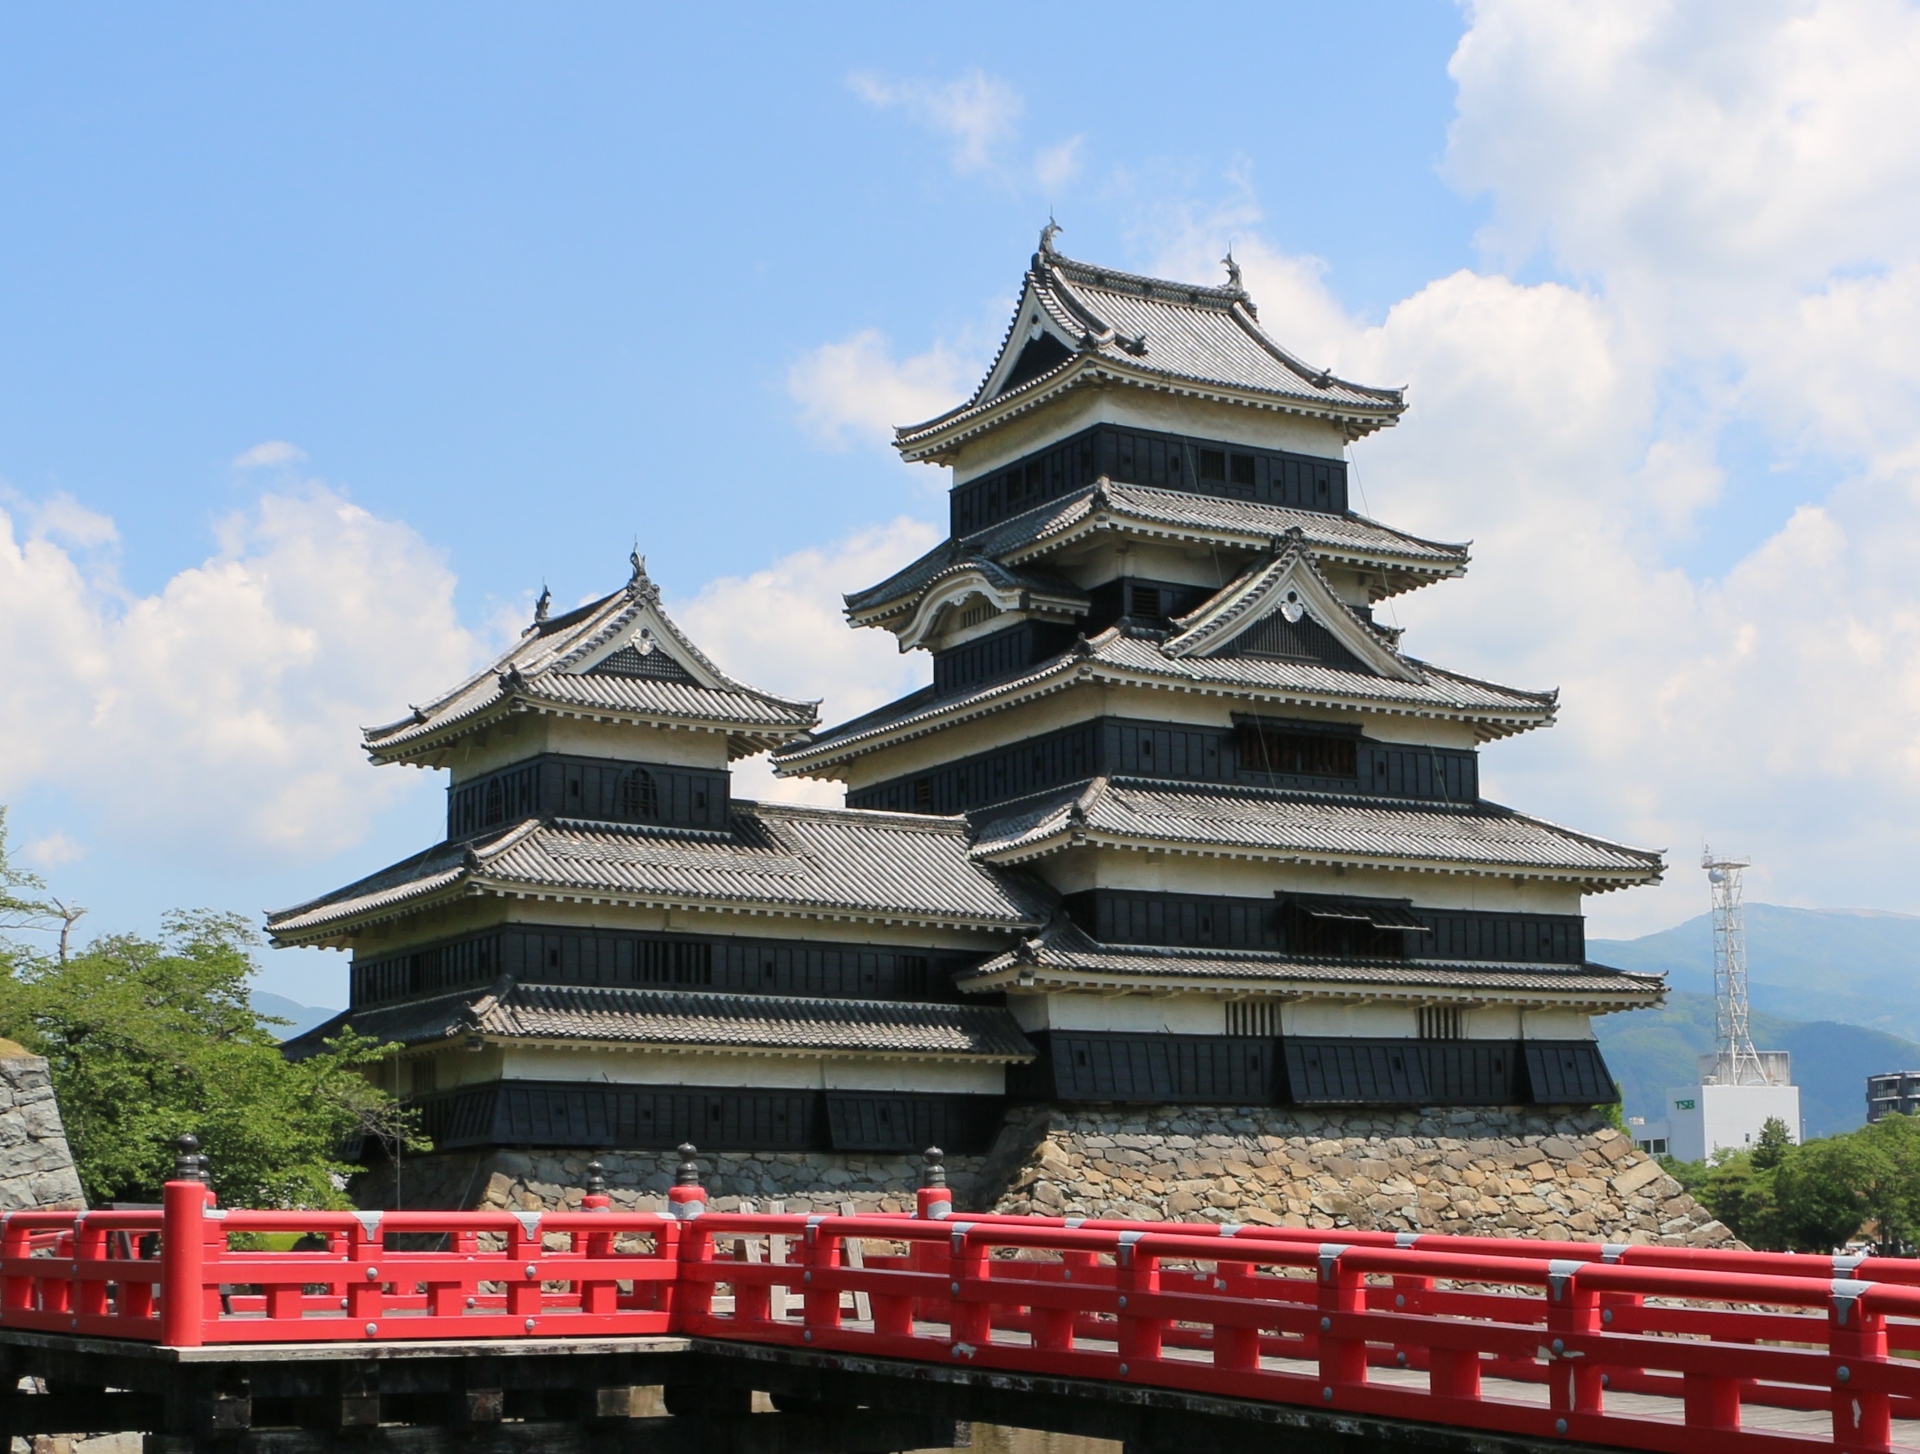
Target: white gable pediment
(1289,585)
(1032,323)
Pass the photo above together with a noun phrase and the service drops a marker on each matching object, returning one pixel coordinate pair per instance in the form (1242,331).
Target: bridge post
(1235,1346)
(819,1305)
(1343,1294)
(183,1245)
(968,1321)
(1573,1384)
(935,1201)
(1857,1338)
(1142,1333)
(687,1200)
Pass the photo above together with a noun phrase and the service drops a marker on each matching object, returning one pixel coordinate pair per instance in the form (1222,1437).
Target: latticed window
(639,795)
(495,808)
(1305,754)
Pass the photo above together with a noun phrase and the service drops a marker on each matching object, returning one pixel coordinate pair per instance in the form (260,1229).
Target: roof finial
(639,564)
(1234,285)
(540,606)
(1047,234)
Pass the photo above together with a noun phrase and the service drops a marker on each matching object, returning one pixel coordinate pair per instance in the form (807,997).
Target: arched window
(639,797)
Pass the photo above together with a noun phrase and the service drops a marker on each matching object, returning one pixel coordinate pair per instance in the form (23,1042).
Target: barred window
(639,795)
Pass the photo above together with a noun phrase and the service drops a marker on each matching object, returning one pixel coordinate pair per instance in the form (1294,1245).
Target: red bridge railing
(1673,1349)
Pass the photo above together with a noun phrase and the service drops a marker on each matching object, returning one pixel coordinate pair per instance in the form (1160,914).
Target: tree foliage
(149,1038)
(1818,1196)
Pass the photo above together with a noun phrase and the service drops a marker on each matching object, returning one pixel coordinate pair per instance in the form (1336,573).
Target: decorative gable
(1282,606)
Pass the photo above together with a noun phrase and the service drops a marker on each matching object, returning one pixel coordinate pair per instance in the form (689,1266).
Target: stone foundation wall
(36,1167)
(1505,1172)
(638,1181)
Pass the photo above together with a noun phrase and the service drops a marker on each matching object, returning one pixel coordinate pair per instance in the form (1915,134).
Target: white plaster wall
(638,1066)
(1147,409)
(529,734)
(1315,1017)
(1134,1014)
(1555,1025)
(467,916)
(1078,870)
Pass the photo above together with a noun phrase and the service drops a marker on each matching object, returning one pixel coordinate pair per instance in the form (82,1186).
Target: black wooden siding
(1304,1070)
(603,790)
(612,957)
(1145,457)
(1201,921)
(1001,654)
(1569,1072)
(633,1117)
(1083,1065)
(1121,746)
(1146,601)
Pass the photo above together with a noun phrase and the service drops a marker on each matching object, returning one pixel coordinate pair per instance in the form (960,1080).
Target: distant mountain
(303,1017)
(1857,966)
(1649,1050)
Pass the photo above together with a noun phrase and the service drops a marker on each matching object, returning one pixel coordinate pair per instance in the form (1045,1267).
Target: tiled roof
(1123,657)
(837,863)
(1481,838)
(1125,328)
(518,1011)
(1405,561)
(1063,956)
(620,657)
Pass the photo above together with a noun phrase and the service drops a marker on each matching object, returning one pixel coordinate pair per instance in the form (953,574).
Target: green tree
(1774,1144)
(1817,1192)
(150,1038)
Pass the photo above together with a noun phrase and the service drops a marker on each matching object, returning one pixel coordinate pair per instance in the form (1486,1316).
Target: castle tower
(609,952)
(1158,687)
(1177,822)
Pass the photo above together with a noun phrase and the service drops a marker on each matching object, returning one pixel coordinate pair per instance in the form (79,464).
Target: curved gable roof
(1128,328)
(620,657)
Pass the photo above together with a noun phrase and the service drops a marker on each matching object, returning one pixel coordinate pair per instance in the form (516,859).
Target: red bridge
(1319,1338)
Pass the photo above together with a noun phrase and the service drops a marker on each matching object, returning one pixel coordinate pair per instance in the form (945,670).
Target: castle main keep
(1178,824)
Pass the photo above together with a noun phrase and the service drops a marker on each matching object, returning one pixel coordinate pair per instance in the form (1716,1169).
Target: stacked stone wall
(36,1166)
(1504,1172)
(1512,1172)
(638,1180)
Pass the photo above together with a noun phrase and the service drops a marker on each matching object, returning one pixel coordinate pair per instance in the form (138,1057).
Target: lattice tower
(1736,1061)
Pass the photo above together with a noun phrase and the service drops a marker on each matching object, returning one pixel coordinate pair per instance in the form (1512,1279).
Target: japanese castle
(1177,821)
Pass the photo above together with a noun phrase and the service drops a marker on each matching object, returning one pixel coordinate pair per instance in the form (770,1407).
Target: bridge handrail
(1337,1319)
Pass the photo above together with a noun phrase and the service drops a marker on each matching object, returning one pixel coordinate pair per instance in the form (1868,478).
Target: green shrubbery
(147,1038)
(1819,1196)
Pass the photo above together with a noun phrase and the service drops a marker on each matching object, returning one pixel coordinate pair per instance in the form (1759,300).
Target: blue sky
(328,334)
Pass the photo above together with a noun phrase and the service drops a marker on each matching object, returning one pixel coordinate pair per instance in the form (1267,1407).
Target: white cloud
(975,111)
(51,850)
(782,629)
(857,389)
(272,452)
(1055,166)
(224,709)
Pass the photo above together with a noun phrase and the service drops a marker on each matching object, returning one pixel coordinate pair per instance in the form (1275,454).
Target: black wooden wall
(1118,746)
(1079,1065)
(596,1115)
(1003,653)
(602,790)
(614,957)
(1219,921)
(1146,457)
